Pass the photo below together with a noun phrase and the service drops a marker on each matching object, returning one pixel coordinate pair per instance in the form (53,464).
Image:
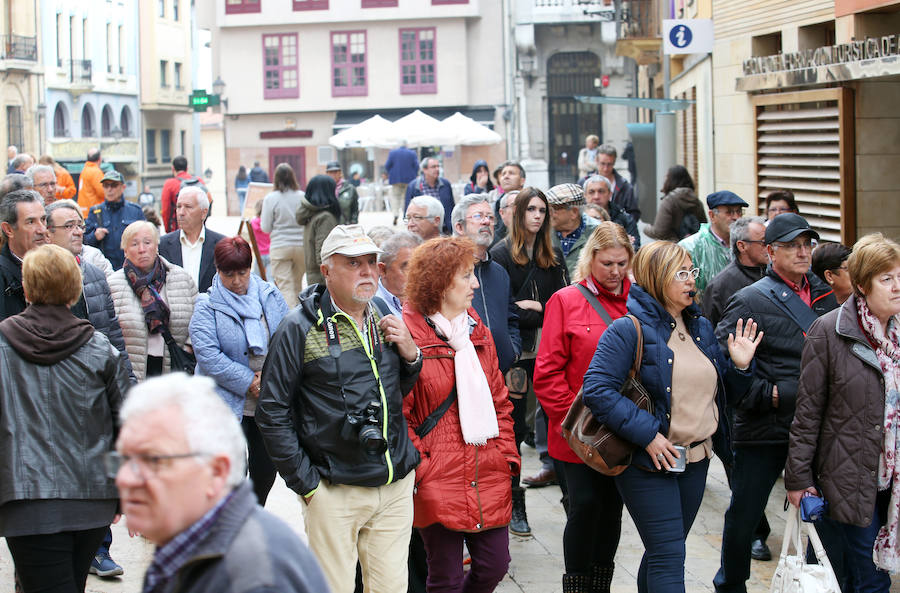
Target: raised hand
(742,348)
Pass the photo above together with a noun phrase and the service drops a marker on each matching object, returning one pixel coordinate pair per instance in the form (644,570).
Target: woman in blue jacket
(230,332)
(687,375)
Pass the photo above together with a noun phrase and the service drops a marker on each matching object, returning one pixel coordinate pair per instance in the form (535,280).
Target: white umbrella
(417,129)
(365,134)
(468,132)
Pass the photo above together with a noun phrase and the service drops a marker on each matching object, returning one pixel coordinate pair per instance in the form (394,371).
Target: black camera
(368,428)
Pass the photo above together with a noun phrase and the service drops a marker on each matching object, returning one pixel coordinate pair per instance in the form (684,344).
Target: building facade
(91,79)
(298,71)
(23,106)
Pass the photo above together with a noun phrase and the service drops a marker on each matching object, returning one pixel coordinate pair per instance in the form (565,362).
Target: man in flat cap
(571,228)
(709,247)
(330,412)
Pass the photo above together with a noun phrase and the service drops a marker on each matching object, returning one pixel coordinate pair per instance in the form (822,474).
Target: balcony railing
(640,20)
(18,47)
(80,71)
(562,11)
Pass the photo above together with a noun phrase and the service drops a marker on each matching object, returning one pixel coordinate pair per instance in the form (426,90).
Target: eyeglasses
(479,217)
(730,210)
(70,226)
(779,209)
(142,465)
(415,217)
(685,275)
(797,245)
(47,184)
(760,241)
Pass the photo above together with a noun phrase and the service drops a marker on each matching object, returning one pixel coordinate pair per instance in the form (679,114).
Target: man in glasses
(709,247)
(43,179)
(571,227)
(784,303)
(425,217)
(180,466)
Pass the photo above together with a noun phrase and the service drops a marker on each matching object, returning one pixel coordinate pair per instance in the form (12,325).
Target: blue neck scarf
(248,307)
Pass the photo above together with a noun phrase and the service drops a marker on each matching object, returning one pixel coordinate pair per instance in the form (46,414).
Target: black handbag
(180,360)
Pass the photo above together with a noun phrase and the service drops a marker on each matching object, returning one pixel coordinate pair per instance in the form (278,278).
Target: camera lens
(371,439)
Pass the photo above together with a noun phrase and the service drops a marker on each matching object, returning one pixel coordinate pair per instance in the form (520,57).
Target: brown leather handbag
(594,443)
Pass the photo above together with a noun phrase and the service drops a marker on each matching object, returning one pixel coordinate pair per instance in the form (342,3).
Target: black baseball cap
(787,227)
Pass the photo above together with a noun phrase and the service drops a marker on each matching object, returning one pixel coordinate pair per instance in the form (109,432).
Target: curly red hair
(431,270)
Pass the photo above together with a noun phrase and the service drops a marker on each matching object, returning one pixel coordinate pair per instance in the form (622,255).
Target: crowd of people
(390,377)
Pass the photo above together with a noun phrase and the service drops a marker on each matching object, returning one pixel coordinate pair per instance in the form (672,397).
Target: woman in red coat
(572,328)
(463,482)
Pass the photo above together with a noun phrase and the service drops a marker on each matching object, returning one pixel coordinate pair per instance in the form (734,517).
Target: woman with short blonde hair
(51,276)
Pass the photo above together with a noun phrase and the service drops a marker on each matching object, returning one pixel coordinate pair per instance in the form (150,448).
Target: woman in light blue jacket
(230,332)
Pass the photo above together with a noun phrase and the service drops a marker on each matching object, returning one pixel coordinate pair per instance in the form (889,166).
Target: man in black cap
(784,303)
(709,247)
(107,220)
(347,196)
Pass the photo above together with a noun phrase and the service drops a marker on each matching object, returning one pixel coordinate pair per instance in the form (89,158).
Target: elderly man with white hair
(107,220)
(425,217)
(599,190)
(192,245)
(180,466)
(43,179)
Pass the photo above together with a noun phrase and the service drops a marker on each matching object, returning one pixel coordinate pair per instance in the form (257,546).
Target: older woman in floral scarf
(846,430)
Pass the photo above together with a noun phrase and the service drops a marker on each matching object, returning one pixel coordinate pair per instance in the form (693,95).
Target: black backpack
(690,224)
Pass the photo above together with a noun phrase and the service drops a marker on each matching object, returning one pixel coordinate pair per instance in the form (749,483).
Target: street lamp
(219,89)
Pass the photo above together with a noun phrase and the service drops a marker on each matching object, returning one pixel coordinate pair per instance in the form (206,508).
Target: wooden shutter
(805,143)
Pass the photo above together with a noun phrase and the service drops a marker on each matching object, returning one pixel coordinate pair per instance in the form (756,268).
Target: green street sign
(200,100)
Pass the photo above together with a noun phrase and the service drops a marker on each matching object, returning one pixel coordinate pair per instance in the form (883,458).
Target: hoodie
(472,187)
(318,220)
(46,334)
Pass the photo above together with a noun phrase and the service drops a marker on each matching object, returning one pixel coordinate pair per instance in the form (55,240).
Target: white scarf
(477,415)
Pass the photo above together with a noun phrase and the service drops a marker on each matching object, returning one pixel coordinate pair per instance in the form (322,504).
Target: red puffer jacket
(460,486)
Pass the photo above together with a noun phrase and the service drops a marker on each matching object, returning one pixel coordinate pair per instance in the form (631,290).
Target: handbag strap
(431,421)
(595,303)
(792,534)
(639,350)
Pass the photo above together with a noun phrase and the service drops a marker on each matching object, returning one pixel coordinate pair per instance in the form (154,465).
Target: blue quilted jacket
(615,355)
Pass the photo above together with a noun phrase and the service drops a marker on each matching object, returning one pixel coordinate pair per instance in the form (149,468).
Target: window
(106,122)
(238,6)
(183,142)
(163,79)
(15,129)
(60,129)
(109,49)
(165,146)
(59,40)
(87,122)
(162,9)
(417,63)
(178,75)
(348,64)
(174,10)
(280,66)
(85,37)
(151,146)
(121,50)
(378,3)
(125,122)
(310,4)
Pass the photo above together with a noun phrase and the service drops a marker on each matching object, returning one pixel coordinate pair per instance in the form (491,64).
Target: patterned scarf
(147,288)
(886,552)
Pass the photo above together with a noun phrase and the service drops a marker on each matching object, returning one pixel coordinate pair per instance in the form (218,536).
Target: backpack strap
(787,300)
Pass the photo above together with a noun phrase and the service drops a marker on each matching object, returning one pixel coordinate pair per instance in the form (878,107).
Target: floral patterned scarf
(886,552)
(147,288)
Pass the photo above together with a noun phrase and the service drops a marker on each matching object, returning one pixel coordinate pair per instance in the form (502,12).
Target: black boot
(601,577)
(576,583)
(518,525)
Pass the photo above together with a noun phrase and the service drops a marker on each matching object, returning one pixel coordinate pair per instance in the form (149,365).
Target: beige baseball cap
(350,240)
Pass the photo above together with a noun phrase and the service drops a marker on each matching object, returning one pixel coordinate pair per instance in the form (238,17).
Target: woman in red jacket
(463,482)
(572,328)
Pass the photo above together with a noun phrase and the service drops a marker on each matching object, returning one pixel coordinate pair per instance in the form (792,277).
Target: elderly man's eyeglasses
(415,217)
(142,465)
(479,217)
(47,184)
(70,226)
(685,275)
(797,245)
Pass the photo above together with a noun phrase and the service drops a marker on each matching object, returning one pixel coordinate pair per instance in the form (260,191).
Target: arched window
(87,122)
(125,122)
(60,121)
(106,122)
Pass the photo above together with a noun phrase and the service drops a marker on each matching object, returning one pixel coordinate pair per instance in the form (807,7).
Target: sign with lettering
(869,48)
(687,36)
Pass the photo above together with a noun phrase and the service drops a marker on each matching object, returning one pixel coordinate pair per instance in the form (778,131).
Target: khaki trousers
(371,524)
(286,268)
(398,196)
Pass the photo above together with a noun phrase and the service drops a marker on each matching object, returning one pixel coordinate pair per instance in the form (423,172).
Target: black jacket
(777,358)
(543,283)
(497,310)
(724,285)
(618,215)
(12,297)
(624,197)
(301,412)
(115,218)
(170,248)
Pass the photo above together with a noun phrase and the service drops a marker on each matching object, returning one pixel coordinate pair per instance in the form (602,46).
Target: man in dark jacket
(430,183)
(622,191)
(331,414)
(197,507)
(748,246)
(258,174)
(598,190)
(402,166)
(106,222)
(23,223)
(192,245)
(783,304)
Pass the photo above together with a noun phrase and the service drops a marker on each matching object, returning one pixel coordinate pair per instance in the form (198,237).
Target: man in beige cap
(571,227)
(331,414)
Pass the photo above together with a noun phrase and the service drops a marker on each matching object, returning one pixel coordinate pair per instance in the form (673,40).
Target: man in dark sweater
(749,265)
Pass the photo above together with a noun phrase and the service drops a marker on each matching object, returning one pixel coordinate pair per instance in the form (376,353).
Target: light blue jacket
(220,343)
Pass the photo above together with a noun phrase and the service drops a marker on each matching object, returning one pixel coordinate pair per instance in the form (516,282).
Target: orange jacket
(90,190)
(65,186)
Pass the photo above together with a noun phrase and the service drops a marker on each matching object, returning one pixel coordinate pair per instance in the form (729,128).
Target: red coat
(460,486)
(568,340)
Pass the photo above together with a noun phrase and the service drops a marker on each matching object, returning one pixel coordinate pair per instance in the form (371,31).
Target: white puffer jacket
(179,292)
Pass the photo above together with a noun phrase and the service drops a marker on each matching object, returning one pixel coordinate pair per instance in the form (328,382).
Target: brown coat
(836,436)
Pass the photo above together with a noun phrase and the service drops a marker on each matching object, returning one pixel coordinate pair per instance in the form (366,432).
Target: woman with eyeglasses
(536,270)
(780,202)
(686,374)
(60,392)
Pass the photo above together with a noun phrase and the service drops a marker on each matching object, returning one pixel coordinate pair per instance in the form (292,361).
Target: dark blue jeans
(663,507)
(857,542)
(756,468)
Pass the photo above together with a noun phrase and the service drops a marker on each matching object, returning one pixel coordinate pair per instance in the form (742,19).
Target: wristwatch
(416,360)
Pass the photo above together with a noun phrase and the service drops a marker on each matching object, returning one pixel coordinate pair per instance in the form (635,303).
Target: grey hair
(22,158)
(458,216)
(608,149)
(393,244)
(209,425)
(136,226)
(15,181)
(380,234)
(202,198)
(597,179)
(433,207)
(740,230)
(34,169)
(9,204)
(424,162)
(62,204)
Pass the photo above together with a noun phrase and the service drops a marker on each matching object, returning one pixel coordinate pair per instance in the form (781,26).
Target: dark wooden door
(295,156)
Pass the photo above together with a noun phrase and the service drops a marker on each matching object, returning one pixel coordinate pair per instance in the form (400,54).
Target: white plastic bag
(793,574)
